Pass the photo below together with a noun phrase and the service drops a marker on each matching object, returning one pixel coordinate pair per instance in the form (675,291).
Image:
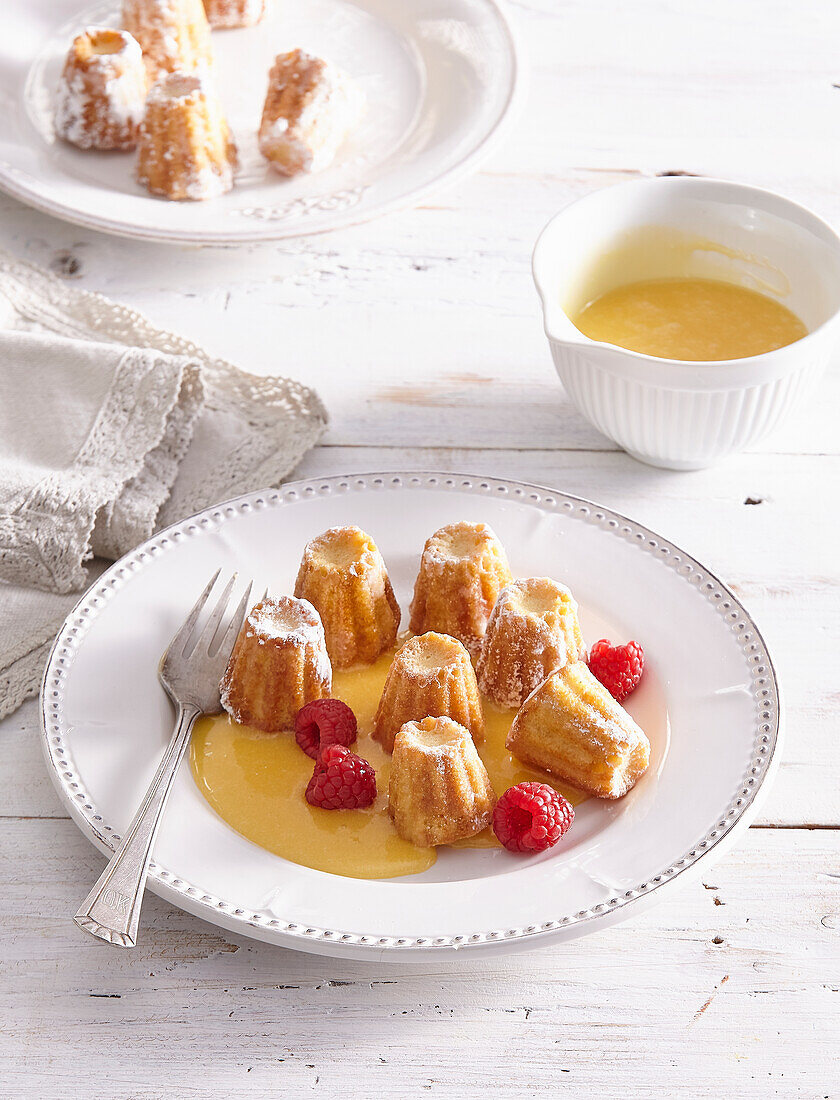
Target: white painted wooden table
(422,334)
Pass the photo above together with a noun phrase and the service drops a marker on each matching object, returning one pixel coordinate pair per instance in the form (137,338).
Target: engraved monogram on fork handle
(190,672)
(112,908)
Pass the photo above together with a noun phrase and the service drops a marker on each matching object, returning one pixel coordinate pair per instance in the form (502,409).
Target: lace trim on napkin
(45,533)
(131,518)
(279,418)
(22,679)
(261,427)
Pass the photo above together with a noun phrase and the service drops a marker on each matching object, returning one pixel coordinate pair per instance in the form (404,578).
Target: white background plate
(709,701)
(439,78)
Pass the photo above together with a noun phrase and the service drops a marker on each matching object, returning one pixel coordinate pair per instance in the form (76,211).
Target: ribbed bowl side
(679,429)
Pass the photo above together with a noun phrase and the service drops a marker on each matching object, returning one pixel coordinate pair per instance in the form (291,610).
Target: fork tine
(235,624)
(208,633)
(186,630)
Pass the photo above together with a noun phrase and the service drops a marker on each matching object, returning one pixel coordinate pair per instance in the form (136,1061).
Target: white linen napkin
(109,430)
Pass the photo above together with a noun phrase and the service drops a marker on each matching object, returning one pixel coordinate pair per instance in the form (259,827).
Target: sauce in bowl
(691,319)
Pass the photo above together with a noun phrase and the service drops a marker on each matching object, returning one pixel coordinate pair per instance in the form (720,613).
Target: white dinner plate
(439,77)
(709,702)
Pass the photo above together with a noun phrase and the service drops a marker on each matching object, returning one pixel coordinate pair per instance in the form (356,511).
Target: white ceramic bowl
(687,415)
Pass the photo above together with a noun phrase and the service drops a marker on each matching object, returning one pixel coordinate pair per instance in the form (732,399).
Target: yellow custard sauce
(256,781)
(690,319)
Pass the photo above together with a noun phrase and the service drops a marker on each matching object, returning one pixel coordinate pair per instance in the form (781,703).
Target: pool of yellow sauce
(256,781)
(690,319)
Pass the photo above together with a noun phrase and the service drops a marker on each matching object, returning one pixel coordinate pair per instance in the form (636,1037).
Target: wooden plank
(409,339)
(705,89)
(728,988)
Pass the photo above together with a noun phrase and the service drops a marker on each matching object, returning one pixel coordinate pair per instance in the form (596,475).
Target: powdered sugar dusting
(462,570)
(435,656)
(290,623)
(286,617)
(186,151)
(234,13)
(310,108)
(100,100)
(173,34)
(458,541)
(440,791)
(224,696)
(532,631)
(572,727)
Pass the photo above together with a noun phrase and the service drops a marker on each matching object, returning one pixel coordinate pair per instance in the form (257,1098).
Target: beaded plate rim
(764,683)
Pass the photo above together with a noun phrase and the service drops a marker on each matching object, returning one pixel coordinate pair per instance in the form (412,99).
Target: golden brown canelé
(439,790)
(431,676)
(310,107)
(222,14)
(101,95)
(532,631)
(185,149)
(343,576)
(174,35)
(573,728)
(279,663)
(462,571)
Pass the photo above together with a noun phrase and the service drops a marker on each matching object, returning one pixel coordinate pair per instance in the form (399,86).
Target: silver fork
(190,671)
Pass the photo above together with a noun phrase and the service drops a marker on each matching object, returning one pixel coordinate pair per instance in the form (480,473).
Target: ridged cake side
(439,790)
(430,676)
(234,13)
(343,576)
(185,149)
(462,571)
(101,95)
(533,630)
(174,35)
(573,728)
(279,662)
(309,109)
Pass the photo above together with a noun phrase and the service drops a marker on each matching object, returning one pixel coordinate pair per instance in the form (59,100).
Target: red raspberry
(531,817)
(324,722)
(619,667)
(341,780)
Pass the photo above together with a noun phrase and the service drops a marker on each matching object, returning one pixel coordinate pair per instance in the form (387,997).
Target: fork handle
(111,910)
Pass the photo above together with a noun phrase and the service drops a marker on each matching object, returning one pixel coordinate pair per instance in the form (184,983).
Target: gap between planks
(327,445)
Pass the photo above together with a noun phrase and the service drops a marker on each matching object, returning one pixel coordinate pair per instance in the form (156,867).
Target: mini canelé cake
(309,109)
(234,13)
(439,790)
(430,676)
(532,631)
(278,664)
(573,728)
(343,576)
(173,34)
(102,92)
(185,149)
(462,571)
